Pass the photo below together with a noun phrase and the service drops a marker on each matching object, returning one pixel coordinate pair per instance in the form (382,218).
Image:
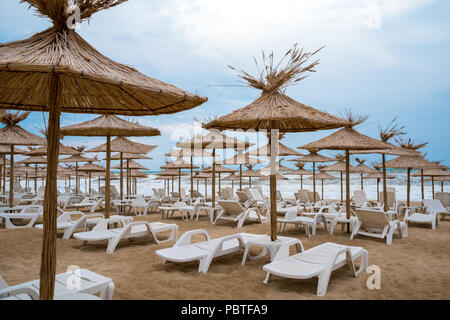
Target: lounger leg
(266,280)
(244,257)
(107,293)
(355,230)
(322,286)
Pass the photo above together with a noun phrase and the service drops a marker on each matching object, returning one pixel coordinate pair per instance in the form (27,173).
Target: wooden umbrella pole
(273,186)
(4,174)
(314,182)
(179,182)
(421,184)
(48,255)
(362,182)
(322,190)
(432,185)
(128,177)
(213,177)
(1,175)
(220,186)
(442,185)
(35,177)
(408,188)
(107,177)
(378,189)
(11,178)
(121,176)
(385,199)
(342,188)
(192,175)
(197,184)
(347,183)
(98,181)
(206,188)
(26,180)
(301,182)
(240,177)
(250,181)
(77,183)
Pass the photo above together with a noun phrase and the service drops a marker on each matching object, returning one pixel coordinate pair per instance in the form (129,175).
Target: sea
(331,188)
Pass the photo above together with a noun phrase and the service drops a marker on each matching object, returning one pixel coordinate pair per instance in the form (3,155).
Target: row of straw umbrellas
(57,71)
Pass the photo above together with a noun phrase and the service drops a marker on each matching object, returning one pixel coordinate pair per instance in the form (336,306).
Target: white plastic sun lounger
(422,218)
(186,251)
(375,223)
(89,202)
(233,211)
(169,210)
(27,213)
(129,230)
(318,262)
(436,206)
(291,217)
(77,281)
(65,222)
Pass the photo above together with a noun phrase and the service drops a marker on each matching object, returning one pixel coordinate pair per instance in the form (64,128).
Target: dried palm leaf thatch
(109,125)
(178,164)
(182,153)
(348,138)
(130,156)
(283,151)
(323,176)
(4,149)
(231,177)
(250,173)
(34,160)
(124,145)
(362,168)
(42,151)
(76,158)
(274,109)
(90,167)
(219,169)
(240,158)
(134,173)
(410,162)
(13,134)
(339,167)
(88,81)
(392,131)
(132,165)
(410,144)
(313,156)
(438,172)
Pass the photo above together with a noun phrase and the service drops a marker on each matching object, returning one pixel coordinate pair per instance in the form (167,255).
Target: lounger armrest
(13,291)
(66,216)
(186,238)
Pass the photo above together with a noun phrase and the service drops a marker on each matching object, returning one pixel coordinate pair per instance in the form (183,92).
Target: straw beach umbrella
(90,168)
(189,153)
(4,150)
(433,174)
(108,125)
(314,157)
(233,178)
(219,170)
(214,140)
(340,167)
(323,176)
(125,146)
(240,159)
(202,176)
(58,71)
(77,158)
(250,173)
(362,169)
(300,172)
(277,112)
(377,175)
(34,160)
(179,164)
(13,134)
(348,139)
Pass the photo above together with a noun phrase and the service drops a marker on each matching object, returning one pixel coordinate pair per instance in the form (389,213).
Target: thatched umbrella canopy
(241,159)
(250,173)
(233,178)
(340,167)
(198,175)
(441,179)
(63,151)
(77,158)
(109,126)
(58,71)
(283,151)
(278,176)
(323,176)
(125,146)
(219,170)
(189,153)
(132,165)
(214,140)
(23,171)
(348,139)
(36,160)
(179,164)
(280,167)
(300,172)
(314,157)
(134,174)
(13,134)
(171,173)
(90,168)
(362,169)
(4,150)
(409,163)
(434,174)
(129,156)
(277,112)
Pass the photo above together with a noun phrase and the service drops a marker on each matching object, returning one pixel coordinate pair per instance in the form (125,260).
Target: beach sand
(414,268)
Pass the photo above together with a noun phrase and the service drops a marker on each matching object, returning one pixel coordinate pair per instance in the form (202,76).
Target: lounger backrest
(433,205)
(180,204)
(243,196)
(162,192)
(113,190)
(303,195)
(372,218)
(291,212)
(390,197)
(155,192)
(17,187)
(231,207)
(138,201)
(33,209)
(279,196)
(360,198)
(196,194)
(444,198)
(256,195)
(226,193)
(3,284)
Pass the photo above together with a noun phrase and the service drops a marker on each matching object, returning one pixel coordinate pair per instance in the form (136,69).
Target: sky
(383,58)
